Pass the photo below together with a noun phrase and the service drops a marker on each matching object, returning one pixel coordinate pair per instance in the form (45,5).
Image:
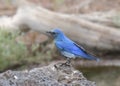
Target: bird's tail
(90,57)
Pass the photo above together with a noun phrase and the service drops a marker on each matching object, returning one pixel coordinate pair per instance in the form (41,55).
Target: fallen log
(90,34)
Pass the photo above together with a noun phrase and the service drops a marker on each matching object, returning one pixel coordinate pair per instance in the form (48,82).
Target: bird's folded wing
(71,48)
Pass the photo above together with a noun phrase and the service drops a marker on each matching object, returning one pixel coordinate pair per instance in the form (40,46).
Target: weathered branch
(103,18)
(81,30)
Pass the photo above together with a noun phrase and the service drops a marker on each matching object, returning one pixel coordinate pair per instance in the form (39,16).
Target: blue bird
(69,48)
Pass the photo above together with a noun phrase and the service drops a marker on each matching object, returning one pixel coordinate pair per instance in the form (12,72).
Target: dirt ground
(65,6)
(81,6)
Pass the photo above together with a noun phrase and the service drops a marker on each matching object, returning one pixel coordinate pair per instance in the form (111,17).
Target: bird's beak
(50,32)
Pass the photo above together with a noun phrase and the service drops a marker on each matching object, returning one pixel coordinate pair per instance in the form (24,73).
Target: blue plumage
(68,48)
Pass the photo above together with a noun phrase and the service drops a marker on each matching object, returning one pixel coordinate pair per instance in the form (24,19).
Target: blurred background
(28,49)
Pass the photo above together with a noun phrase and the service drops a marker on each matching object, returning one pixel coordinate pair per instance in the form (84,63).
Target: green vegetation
(10,51)
(13,53)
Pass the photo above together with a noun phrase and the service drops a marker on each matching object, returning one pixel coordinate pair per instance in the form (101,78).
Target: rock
(52,75)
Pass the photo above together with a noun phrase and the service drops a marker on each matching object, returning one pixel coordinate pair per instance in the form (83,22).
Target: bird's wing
(63,43)
(71,47)
(80,48)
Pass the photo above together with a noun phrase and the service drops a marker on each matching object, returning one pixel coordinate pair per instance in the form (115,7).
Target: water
(103,76)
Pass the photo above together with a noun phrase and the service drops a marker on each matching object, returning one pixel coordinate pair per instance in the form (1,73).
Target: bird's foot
(62,65)
(65,64)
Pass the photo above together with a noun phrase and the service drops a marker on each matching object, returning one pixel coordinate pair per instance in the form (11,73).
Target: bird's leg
(68,61)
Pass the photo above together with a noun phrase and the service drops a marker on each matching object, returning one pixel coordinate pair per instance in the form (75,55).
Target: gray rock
(52,75)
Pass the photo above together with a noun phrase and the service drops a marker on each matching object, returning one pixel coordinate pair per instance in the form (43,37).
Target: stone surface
(52,75)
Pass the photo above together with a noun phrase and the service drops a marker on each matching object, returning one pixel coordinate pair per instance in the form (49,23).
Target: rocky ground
(51,75)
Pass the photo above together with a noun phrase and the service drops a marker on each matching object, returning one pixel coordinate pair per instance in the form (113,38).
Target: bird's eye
(53,33)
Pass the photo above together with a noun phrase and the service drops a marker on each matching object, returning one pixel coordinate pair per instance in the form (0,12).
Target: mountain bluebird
(69,48)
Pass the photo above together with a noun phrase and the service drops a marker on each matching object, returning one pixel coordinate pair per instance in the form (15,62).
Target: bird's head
(56,33)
